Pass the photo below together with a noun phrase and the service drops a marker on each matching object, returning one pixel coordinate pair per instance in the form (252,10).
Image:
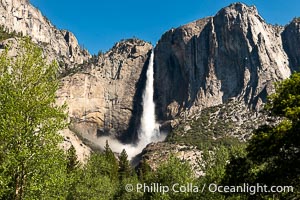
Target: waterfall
(149,129)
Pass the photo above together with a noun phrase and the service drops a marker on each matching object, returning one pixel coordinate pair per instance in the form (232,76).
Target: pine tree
(32,165)
(94,182)
(110,158)
(124,166)
(144,171)
(72,159)
(126,176)
(73,170)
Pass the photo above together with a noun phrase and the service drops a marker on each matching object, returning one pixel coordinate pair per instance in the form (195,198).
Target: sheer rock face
(234,54)
(103,97)
(103,93)
(291,41)
(21,17)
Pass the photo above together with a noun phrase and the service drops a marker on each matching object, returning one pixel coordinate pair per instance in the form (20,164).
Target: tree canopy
(31,164)
(273,153)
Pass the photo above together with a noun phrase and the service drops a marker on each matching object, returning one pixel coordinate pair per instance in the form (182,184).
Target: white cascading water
(149,129)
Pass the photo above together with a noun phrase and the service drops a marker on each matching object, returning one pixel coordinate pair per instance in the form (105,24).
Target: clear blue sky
(98,24)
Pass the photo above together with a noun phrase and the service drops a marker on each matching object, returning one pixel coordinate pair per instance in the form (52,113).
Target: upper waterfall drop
(149,129)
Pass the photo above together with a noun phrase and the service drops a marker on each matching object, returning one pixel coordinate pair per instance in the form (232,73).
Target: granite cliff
(291,41)
(103,92)
(104,98)
(21,17)
(234,54)
(213,76)
(204,70)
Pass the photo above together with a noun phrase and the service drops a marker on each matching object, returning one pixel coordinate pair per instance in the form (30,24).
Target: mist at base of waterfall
(131,150)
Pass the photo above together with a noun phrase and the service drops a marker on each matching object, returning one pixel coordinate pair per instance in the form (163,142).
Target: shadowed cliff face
(234,54)
(291,41)
(105,97)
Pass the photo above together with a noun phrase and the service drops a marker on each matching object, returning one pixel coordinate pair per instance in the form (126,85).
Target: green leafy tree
(273,155)
(31,164)
(213,163)
(173,171)
(95,182)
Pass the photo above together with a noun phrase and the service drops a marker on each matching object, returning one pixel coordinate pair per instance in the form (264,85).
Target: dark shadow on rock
(290,40)
(169,82)
(135,161)
(130,136)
